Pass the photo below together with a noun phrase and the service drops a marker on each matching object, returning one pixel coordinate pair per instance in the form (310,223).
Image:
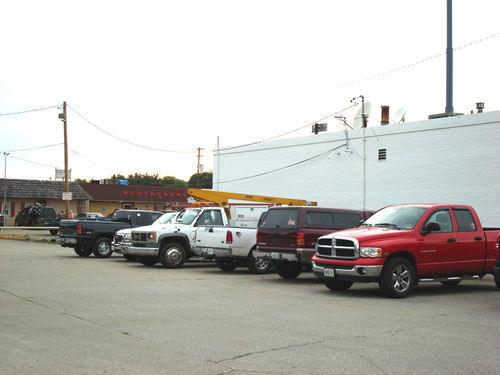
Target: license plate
(328,272)
(210,251)
(275,255)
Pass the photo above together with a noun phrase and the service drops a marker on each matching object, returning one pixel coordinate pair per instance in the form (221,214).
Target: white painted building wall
(448,160)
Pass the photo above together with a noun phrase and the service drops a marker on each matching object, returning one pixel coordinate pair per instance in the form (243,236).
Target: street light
(5,190)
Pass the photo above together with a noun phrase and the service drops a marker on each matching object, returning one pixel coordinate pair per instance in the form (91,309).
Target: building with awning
(19,194)
(105,198)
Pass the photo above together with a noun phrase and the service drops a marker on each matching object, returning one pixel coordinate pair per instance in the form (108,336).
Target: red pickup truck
(402,245)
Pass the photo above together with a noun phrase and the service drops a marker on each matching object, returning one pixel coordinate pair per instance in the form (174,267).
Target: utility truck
(203,231)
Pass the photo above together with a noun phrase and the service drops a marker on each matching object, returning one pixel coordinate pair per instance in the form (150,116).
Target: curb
(13,236)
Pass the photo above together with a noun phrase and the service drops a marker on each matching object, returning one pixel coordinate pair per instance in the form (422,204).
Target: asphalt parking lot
(62,314)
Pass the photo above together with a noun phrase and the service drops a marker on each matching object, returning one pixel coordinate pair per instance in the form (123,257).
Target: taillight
(79,230)
(229,237)
(300,239)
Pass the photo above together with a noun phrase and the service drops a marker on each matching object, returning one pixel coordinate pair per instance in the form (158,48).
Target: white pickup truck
(172,244)
(121,239)
(231,247)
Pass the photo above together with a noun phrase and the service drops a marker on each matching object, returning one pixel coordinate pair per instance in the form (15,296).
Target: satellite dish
(400,115)
(357,122)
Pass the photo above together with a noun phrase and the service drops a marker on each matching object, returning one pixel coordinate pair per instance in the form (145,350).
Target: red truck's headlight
(370,252)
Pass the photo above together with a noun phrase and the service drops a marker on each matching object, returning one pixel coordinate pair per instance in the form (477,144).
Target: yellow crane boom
(221,198)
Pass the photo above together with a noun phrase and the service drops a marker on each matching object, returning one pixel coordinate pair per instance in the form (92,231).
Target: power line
(285,167)
(35,148)
(28,110)
(126,141)
(32,162)
(402,67)
(294,130)
(84,158)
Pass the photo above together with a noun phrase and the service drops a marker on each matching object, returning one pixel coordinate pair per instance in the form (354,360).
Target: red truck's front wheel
(398,278)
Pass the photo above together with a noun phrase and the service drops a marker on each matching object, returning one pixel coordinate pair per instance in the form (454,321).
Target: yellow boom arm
(221,198)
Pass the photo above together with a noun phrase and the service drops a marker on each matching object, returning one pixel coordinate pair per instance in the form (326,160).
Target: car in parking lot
(38,216)
(90,215)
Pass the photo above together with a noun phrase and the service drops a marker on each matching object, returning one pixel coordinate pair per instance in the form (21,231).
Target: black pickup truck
(95,235)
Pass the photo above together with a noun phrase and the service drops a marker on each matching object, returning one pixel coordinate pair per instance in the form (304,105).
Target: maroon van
(287,235)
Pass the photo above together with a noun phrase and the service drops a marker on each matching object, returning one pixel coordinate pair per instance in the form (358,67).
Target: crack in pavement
(372,362)
(49,308)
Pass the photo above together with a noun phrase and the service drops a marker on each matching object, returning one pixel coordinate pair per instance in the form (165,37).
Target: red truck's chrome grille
(338,248)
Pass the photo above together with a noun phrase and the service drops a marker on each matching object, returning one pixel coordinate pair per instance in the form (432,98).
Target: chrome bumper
(301,255)
(120,248)
(210,253)
(67,241)
(275,256)
(141,251)
(359,273)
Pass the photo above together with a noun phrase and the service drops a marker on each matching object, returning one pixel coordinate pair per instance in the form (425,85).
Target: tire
(226,264)
(172,255)
(398,278)
(148,261)
(258,266)
(102,248)
(450,282)
(54,231)
(130,257)
(497,281)
(289,270)
(337,285)
(82,252)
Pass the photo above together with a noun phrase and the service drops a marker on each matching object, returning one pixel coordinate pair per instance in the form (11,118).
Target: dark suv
(38,216)
(287,235)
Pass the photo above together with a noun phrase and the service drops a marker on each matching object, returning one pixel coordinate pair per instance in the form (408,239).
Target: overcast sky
(175,75)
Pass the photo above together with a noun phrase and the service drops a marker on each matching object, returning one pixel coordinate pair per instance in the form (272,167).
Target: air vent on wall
(382,154)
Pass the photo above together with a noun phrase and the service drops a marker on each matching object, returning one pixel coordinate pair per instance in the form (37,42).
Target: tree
(147,180)
(205,180)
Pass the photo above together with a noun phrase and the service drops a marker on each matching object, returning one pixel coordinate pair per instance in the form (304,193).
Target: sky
(148,83)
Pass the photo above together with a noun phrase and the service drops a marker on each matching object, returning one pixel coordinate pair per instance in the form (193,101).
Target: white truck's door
(209,229)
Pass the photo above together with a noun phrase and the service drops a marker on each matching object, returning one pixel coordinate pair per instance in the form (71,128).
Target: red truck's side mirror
(431,227)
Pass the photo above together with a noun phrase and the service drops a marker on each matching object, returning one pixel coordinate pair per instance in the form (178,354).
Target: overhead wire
(35,148)
(28,110)
(127,141)
(291,131)
(32,162)
(285,167)
(406,66)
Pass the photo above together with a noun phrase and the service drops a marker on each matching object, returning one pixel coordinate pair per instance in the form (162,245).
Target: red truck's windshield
(397,217)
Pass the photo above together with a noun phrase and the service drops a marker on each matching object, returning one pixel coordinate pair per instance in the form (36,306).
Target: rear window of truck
(465,220)
(285,218)
(333,219)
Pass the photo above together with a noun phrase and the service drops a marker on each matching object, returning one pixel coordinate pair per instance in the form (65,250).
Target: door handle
(452,240)
(478,238)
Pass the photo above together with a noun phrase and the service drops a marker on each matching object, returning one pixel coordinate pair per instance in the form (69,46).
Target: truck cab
(172,244)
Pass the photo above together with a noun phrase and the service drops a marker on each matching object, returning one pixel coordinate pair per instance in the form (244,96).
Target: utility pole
(198,168)
(5,154)
(66,182)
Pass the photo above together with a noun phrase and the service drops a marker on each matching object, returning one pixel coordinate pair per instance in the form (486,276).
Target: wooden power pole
(66,181)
